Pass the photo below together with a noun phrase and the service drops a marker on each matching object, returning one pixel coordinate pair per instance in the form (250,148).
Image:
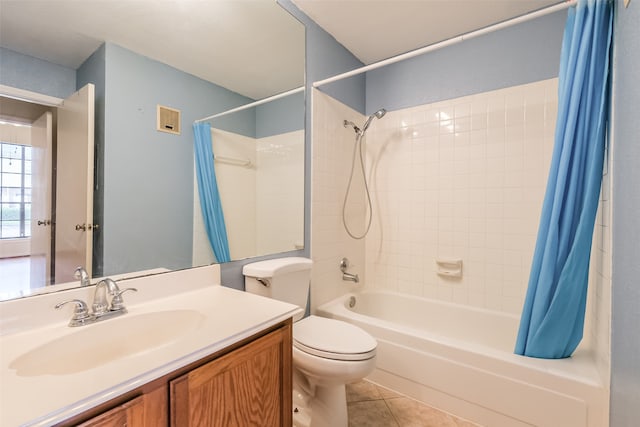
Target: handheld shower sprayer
(360,132)
(378,115)
(358,148)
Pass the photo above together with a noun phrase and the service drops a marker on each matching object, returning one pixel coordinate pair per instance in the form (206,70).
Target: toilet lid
(333,339)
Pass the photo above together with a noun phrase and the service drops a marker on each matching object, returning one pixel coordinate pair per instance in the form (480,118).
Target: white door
(41,146)
(74,185)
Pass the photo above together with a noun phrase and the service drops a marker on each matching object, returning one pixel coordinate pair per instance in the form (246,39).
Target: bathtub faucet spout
(348,277)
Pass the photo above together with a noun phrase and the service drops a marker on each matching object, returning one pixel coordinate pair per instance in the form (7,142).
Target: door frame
(28,96)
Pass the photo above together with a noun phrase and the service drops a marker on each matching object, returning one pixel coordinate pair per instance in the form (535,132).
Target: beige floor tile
(373,413)
(361,391)
(371,405)
(410,413)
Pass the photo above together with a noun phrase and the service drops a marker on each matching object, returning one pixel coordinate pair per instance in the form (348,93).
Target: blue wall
(516,55)
(625,310)
(280,116)
(147,189)
(142,230)
(34,74)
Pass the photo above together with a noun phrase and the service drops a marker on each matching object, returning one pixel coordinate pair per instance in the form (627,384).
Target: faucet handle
(80,313)
(116,302)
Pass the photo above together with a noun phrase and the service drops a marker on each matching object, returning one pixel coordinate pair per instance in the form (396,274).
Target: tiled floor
(15,273)
(370,405)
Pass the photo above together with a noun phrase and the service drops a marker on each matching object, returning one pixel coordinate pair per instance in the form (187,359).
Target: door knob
(45,222)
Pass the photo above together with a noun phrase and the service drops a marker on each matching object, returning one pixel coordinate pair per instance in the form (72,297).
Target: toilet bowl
(327,353)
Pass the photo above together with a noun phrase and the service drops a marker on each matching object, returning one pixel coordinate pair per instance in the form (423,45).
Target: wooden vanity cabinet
(246,387)
(248,384)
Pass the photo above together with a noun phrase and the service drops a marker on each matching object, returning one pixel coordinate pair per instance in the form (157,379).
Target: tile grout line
(391,412)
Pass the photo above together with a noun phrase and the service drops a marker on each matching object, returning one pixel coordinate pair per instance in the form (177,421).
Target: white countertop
(229,316)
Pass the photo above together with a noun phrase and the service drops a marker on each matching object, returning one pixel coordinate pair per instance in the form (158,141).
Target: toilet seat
(333,339)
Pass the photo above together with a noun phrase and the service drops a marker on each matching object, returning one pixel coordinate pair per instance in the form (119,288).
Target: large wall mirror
(121,198)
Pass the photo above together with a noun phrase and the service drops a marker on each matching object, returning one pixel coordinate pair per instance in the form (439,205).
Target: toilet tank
(284,279)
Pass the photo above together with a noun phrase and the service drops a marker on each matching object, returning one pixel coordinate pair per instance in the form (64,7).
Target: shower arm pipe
(448,42)
(253,104)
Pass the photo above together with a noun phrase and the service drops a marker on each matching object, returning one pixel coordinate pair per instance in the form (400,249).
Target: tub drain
(352,301)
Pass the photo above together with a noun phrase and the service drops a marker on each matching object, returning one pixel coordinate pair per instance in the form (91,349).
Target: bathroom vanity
(189,352)
(245,384)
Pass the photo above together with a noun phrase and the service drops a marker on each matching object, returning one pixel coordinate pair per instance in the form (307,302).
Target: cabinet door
(147,410)
(250,386)
(128,414)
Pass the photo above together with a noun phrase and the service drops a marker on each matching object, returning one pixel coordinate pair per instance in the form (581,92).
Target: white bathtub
(460,359)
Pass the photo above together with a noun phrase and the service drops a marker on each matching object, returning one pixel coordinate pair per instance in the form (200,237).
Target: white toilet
(327,353)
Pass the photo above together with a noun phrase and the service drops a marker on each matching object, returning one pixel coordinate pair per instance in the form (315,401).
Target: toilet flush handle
(263,282)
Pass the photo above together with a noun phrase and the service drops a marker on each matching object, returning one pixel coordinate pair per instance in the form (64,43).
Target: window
(15,191)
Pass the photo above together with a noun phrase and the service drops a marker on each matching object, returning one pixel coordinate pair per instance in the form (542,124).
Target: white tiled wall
(461,179)
(280,192)
(599,301)
(262,204)
(332,153)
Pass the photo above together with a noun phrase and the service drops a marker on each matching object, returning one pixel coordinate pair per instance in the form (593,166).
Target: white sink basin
(111,339)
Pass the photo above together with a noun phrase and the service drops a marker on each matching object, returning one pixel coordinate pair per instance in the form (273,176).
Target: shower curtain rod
(448,42)
(253,104)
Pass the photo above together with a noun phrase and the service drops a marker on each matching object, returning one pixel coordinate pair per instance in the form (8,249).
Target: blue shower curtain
(552,320)
(208,191)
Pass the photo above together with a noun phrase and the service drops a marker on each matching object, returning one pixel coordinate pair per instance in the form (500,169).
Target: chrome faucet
(100,303)
(101,308)
(82,275)
(344,264)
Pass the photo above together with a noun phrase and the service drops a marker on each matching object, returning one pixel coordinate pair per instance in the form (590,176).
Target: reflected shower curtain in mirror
(552,320)
(208,191)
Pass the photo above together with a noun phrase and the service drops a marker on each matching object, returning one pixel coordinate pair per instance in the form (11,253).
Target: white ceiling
(253,47)
(378,29)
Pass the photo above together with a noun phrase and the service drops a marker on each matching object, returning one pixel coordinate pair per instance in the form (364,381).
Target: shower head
(378,115)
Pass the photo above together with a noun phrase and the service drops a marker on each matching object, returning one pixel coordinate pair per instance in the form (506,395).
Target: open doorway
(46,181)
(26,141)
